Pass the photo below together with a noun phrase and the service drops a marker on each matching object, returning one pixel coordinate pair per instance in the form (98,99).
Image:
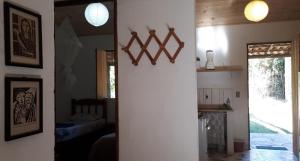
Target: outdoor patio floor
(256,155)
(273,140)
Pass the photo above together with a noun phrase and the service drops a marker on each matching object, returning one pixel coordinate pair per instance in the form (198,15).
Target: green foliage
(258,128)
(272,71)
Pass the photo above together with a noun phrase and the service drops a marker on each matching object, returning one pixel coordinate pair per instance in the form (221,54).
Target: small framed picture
(23,107)
(23,37)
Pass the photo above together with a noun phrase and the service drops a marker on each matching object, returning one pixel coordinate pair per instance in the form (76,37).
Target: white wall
(85,64)
(230,44)
(84,68)
(38,147)
(157,104)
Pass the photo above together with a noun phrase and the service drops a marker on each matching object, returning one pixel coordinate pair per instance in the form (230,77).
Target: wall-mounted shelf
(233,68)
(214,108)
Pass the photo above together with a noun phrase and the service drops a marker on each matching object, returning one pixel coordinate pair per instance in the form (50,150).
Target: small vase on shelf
(210,59)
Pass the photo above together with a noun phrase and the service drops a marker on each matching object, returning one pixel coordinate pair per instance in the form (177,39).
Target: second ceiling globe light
(256,10)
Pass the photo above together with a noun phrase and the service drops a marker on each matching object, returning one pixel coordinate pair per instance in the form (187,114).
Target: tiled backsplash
(216,135)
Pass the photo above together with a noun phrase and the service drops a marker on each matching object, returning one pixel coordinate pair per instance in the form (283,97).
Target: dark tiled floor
(256,155)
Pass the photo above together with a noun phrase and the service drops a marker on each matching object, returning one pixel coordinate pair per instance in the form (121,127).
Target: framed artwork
(23,37)
(23,107)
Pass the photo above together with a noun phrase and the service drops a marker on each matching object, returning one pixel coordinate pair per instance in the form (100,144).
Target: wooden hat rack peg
(152,37)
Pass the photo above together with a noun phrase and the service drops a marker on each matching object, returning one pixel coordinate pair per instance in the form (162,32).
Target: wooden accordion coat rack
(144,46)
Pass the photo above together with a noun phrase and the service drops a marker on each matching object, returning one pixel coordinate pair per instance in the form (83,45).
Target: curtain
(102,79)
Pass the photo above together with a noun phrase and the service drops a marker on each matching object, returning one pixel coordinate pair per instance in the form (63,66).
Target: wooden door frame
(77,2)
(295,96)
(248,102)
(116,78)
(115,33)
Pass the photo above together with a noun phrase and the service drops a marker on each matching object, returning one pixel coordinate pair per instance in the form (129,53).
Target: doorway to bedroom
(85,81)
(270,96)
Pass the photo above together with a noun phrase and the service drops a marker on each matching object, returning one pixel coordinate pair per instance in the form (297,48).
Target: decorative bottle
(210,59)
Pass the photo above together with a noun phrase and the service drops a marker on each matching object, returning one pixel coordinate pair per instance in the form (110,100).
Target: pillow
(92,117)
(85,117)
(76,117)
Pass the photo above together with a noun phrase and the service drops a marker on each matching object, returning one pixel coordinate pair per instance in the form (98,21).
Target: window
(111,81)
(105,74)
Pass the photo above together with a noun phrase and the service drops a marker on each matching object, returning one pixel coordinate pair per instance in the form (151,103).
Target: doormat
(271,147)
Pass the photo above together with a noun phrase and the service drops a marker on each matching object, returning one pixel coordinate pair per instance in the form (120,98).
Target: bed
(71,130)
(87,115)
(104,149)
(88,123)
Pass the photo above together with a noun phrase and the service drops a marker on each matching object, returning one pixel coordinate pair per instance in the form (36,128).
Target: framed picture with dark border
(23,37)
(23,107)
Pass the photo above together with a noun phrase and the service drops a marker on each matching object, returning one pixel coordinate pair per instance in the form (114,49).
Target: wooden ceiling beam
(77,2)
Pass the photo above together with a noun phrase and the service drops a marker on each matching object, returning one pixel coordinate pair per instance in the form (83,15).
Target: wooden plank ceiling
(228,12)
(208,13)
(76,15)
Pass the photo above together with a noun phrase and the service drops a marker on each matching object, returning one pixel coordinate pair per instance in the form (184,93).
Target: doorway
(270,96)
(86,86)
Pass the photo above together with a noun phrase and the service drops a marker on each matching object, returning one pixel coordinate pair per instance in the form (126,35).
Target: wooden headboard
(89,104)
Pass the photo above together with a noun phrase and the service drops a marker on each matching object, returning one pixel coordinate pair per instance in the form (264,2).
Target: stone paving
(275,140)
(255,155)
(261,139)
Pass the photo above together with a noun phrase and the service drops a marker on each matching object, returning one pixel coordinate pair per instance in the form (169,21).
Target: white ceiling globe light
(256,10)
(96,14)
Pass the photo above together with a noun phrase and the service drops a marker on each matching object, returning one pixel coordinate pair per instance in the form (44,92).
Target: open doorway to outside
(270,96)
